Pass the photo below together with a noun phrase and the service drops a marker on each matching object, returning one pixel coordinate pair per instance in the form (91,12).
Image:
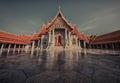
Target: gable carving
(60,23)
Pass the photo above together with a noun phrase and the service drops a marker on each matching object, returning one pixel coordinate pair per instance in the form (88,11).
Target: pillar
(79,44)
(33,46)
(53,40)
(41,42)
(1,49)
(38,45)
(23,48)
(76,41)
(65,37)
(14,48)
(19,48)
(49,41)
(8,49)
(49,36)
(69,39)
(84,44)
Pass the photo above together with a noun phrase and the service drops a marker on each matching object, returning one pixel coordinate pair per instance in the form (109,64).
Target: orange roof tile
(43,30)
(112,37)
(11,38)
(35,36)
(75,31)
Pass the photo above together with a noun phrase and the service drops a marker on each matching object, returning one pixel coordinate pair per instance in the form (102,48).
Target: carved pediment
(60,22)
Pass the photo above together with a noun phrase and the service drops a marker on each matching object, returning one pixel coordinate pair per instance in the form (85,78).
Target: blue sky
(90,16)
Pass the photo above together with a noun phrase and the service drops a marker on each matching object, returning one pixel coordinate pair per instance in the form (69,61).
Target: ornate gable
(59,22)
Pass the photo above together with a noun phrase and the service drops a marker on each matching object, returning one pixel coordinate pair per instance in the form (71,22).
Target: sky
(90,16)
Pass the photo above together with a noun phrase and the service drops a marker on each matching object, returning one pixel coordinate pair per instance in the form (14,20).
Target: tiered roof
(46,28)
(74,30)
(79,35)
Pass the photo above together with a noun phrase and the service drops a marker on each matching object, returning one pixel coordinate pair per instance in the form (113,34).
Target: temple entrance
(58,40)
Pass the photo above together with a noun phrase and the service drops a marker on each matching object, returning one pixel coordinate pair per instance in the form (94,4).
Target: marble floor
(69,66)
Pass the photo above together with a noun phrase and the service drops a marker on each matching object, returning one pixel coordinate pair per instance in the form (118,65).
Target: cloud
(87,28)
(103,21)
(91,16)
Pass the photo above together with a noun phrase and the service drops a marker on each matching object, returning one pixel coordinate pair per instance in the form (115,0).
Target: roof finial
(59,7)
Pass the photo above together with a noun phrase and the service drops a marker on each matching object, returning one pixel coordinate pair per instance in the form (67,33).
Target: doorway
(59,40)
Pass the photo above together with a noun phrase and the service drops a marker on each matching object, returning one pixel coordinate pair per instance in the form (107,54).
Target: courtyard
(62,66)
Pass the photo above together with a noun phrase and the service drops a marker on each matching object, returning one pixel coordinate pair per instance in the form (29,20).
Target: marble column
(84,44)
(79,44)
(49,41)
(53,40)
(49,36)
(8,49)
(14,48)
(33,46)
(65,37)
(41,42)
(38,45)
(1,49)
(76,41)
(19,48)
(23,47)
(69,39)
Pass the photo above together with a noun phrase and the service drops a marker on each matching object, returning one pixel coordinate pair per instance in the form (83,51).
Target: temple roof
(79,35)
(43,30)
(47,27)
(112,37)
(6,37)
(75,31)
(83,37)
(35,36)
